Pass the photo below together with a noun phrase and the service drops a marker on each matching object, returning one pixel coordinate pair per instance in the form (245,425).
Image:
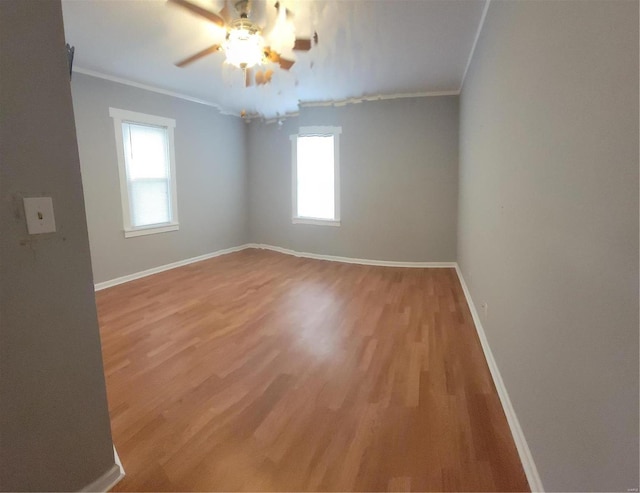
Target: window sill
(317,222)
(151,230)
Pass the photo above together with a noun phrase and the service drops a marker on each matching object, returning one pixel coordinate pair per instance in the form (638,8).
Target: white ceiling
(366,48)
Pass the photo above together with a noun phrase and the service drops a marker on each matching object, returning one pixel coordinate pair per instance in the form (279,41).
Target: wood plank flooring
(258,371)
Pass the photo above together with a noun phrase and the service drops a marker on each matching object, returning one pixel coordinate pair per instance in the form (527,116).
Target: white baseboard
(351,260)
(118,463)
(109,479)
(137,275)
(529,466)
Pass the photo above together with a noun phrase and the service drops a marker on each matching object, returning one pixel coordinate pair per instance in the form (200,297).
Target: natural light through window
(316,178)
(147,172)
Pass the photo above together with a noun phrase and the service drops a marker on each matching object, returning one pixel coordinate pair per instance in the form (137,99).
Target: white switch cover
(39,214)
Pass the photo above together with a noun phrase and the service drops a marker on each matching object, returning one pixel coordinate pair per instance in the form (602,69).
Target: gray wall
(548,228)
(399,171)
(210,169)
(54,422)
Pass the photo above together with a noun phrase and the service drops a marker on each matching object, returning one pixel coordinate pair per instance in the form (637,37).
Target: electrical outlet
(485,309)
(39,214)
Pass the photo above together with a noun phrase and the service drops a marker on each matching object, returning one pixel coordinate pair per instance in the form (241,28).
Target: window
(146,162)
(316,175)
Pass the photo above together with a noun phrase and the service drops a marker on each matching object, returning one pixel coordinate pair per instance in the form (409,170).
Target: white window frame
(125,116)
(321,131)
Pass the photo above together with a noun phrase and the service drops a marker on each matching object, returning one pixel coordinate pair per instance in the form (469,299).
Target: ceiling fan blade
(302,44)
(305,44)
(285,64)
(226,13)
(274,57)
(271,55)
(200,54)
(207,14)
(248,77)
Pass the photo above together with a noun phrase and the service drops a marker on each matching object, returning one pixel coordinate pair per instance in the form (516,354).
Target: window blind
(148,173)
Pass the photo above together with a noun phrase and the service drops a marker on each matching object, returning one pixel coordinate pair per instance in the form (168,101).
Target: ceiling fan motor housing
(244,24)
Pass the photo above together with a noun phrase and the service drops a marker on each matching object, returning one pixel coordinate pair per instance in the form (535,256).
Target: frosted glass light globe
(244,48)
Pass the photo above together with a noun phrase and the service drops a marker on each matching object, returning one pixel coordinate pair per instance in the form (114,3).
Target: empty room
(319,245)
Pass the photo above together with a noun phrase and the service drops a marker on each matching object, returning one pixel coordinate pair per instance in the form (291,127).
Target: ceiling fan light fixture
(244,46)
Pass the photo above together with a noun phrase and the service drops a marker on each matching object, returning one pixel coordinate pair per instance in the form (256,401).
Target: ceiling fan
(244,45)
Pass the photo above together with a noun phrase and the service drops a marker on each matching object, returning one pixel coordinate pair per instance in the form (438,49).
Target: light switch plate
(39,214)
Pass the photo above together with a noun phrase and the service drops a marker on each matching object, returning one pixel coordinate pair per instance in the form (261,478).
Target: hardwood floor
(261,371)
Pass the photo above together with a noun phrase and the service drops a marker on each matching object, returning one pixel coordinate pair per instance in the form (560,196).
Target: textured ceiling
(366,48)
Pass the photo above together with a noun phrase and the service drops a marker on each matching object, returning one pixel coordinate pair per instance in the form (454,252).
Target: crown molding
(475,42)
(377,97)
(301,104)
(337,103)
(147,87)
(279,119)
